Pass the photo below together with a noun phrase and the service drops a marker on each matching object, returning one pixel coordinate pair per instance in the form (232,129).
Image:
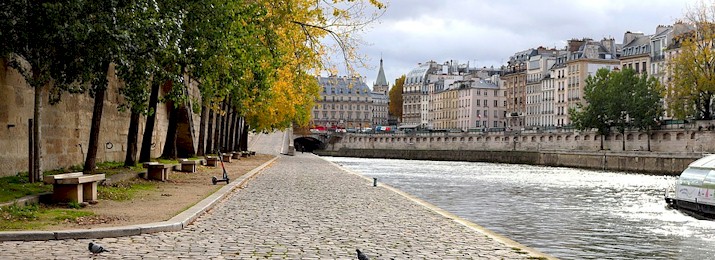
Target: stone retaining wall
(656,163)
(66,125)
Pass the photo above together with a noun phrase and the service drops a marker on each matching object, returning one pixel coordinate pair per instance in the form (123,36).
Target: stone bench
(188,165)
(74,187)
(226,157)
(157,171)
(211,161)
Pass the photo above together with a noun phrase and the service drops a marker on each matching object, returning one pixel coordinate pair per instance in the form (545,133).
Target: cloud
(486,33)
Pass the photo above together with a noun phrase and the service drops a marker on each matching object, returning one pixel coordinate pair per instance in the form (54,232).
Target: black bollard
(374,182)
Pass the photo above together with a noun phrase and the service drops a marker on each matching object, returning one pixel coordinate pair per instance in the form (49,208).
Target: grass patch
(111,168)
(537,257)
(124,191)
(15,187)
(35,216)
(109,165)
(73,168)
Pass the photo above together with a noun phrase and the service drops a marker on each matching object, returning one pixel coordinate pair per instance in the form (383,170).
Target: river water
(564,212)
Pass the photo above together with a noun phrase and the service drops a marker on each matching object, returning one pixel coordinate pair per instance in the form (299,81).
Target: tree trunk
(601,142)
(232,130)
(170,142)
(210,133)
(707,111)
(623,139)
(202,131)
(37,136)
(132,136)
(648,140)
(145,154)
(237,134)
(91,162)
(30,151)
(244,136)
(224,127)
(217,132)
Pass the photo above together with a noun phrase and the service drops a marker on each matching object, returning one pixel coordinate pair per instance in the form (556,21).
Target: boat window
(693,177)
(709,181)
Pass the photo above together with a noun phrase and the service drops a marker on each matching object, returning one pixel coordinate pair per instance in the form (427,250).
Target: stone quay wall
(653,163)
(66,125)
(671,149)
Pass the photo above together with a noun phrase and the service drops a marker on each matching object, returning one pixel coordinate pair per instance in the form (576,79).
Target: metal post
(374,182)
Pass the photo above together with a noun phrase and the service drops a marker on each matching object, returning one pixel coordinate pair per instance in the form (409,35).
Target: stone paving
(301,207)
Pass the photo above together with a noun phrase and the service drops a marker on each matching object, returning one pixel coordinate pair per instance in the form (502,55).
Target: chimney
(574,44)
(630,36)
(662,28)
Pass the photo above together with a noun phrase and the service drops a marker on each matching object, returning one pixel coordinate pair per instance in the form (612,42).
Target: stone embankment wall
(66,125)
(668,164)
(671,149)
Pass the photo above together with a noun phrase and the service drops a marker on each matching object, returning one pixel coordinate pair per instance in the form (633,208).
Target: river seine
(564,212)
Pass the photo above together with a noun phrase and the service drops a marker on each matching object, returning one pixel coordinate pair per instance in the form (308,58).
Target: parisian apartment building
(537,86)
(348,103)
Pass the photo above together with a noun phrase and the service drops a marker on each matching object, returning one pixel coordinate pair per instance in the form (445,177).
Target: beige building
(514,79)
(348,103)
(412,92)
(470,104)
(559,81)
(538,90)
(585,58)
(636,52)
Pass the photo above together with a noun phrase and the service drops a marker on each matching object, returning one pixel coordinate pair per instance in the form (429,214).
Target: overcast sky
(486,33)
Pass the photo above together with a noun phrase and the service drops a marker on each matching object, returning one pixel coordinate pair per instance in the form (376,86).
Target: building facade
(584,59)
(348,103)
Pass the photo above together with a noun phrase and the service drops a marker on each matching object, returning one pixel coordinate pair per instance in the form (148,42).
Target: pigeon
(361,256)
(96,248)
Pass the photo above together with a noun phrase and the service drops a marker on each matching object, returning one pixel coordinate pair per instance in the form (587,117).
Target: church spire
(381,81)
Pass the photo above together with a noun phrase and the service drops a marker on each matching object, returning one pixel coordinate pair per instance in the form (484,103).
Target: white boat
(694,192)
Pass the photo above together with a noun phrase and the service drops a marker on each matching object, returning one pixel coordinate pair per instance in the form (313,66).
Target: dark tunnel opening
(307,144)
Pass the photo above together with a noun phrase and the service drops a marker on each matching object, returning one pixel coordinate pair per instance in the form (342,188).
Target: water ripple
(568,213)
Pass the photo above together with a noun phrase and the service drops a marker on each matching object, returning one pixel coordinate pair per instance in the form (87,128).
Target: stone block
(188,166)
(211,161)
(226,157)
(159,172)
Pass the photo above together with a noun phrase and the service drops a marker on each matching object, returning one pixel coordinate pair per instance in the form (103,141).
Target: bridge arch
(307,144)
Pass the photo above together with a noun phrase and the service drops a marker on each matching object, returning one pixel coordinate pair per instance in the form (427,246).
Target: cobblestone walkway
(301,207)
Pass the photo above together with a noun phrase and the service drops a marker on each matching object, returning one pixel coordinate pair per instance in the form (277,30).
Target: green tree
(692,68)
(647,105)
(619,99)
(37,41)
(395,95)
(150,30)
(594,113)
